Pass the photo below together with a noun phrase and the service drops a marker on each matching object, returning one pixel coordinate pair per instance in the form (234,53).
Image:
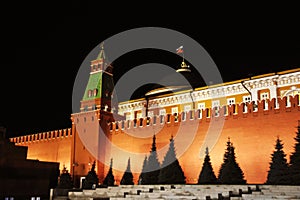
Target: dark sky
(43,46)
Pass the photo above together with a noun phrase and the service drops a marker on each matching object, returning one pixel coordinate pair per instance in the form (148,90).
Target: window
(230,101)
(174,110)
(92,118)
(215,103)
(154,119)
(162,112)
(247,99)
(89,93)
(264,96)
(216,107)
(150,113)
(201,106)
(128,116)
(187,108)
(85,108)
(123,124)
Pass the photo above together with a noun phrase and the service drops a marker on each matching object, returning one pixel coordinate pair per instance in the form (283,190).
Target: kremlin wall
(253,112)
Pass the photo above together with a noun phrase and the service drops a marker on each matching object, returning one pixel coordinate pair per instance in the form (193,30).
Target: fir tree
(91,179)
(207,175)
(294,169)
(152,166)
(65,180)
(230,171)
(109,180)
(277,175)
(171,172)
(127,178)
(142,177)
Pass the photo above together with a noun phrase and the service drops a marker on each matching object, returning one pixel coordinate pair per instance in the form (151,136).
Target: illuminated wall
(253,134)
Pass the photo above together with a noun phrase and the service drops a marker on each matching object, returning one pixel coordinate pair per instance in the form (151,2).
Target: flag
(179,49)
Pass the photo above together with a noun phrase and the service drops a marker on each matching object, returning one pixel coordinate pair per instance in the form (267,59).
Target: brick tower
(91,125)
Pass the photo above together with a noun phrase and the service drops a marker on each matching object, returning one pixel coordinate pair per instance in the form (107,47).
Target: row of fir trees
(170,171)
(281,172)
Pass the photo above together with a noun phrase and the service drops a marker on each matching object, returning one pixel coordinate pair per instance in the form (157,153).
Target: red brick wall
(253,135)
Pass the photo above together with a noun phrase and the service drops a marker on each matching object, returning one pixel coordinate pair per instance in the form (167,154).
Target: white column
(254,94)
(273,94)
(273,91)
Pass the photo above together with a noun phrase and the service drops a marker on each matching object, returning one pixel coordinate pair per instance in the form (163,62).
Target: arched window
(89,93)
(95,92)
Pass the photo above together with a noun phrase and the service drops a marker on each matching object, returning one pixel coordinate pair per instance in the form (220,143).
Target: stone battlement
(44,136)
(264,107)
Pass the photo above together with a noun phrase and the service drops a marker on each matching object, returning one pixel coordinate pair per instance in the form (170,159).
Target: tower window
(95,92)
(89,93)
(85,108)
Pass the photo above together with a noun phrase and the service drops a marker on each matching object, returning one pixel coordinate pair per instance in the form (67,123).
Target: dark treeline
(170,172)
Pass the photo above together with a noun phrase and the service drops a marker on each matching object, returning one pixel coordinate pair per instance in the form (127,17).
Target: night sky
(44,45)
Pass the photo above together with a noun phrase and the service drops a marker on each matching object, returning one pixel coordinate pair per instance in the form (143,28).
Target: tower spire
(101,55)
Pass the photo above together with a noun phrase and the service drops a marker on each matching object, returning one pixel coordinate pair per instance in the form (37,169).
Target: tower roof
(101,55)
